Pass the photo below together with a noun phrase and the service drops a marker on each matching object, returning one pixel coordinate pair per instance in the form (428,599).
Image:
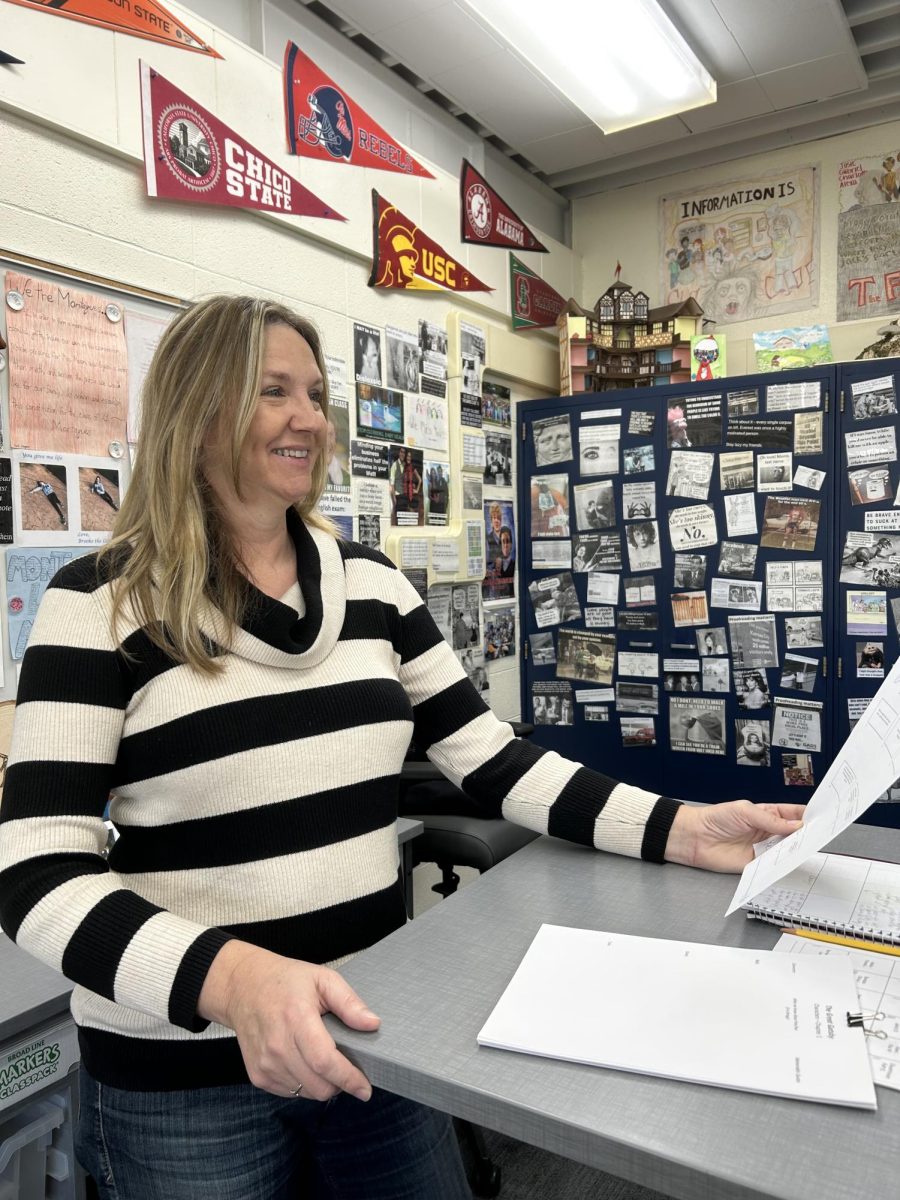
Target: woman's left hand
(720,837)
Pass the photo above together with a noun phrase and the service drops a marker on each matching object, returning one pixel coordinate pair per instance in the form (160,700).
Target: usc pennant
(146,20)
(405,257)
(323,122)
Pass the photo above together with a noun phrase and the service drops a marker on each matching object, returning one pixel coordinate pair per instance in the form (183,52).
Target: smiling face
(285,437)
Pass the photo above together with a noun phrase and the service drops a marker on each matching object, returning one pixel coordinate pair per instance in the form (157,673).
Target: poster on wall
(147,20)
(487,220)
(81,405)
(868,268)
(535,304)
(404,256)
(743,249)
(189,154)
(324,122)
(28,572)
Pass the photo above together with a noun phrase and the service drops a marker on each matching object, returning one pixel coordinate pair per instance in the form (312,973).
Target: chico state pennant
(191,155)
(405,257)
(146,20)
(535,304)
(486,218)
(324,122)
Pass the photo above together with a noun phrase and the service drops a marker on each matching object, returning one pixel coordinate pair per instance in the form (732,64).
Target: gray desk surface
(407,829)
(30,993)
(434,982)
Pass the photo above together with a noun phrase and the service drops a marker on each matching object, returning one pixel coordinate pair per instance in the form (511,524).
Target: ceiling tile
(446,38)
(565,150)
(372,16)
(736,102)
(542,114)
(709,37)
(774,33)
(810,81)
(477,82)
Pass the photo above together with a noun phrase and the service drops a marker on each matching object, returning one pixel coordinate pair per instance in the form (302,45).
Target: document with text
(732,1018)
(865,766)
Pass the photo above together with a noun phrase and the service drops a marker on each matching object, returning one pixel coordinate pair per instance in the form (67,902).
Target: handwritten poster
(68,369)
(868,270)
(28,571)
(744,249)
(142,334)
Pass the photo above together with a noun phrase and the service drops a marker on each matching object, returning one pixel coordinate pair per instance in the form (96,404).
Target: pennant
(191,155)
(405,257)
(535,304)
(486,218)
(324,122)
(146,20)
(7,60)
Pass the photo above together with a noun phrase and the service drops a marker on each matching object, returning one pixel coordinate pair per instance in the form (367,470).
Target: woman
(99,490)
(49,492)
(244,686)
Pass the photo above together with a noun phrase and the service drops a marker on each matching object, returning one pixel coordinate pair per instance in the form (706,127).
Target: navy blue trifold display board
(690,604)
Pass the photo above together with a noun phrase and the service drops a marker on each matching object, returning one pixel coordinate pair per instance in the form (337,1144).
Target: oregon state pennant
(535,304)
(405,257)
(324,122)
(147,20)
(486,218)
(191,155)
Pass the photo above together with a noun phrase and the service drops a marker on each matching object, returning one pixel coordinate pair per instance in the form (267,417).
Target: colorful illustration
(786,349)
(743,249)
(708,360)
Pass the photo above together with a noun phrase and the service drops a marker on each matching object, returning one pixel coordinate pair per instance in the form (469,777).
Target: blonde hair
(171,550)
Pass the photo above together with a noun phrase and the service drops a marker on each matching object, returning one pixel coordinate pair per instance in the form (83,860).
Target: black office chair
(456,836)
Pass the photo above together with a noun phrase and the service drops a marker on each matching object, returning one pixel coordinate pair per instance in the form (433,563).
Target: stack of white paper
(746,1019)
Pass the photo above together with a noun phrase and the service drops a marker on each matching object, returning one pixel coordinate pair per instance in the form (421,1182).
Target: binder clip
(858,1021)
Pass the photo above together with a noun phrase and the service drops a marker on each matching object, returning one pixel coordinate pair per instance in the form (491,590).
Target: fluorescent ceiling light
(622,62)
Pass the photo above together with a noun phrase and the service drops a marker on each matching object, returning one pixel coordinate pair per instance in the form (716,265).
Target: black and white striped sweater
(258,804)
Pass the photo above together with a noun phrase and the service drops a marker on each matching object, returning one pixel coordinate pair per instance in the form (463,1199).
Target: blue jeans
(240,1143)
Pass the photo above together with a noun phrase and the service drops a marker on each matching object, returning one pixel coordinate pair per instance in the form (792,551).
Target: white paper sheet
(716,1015)
(867,764)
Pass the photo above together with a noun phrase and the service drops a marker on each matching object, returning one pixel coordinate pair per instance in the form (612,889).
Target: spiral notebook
(837,893)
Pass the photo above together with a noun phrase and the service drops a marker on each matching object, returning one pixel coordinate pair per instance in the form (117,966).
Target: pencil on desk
(852,943)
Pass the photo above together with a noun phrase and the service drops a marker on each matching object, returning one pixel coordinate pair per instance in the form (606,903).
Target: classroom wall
(623,225)
(72,194)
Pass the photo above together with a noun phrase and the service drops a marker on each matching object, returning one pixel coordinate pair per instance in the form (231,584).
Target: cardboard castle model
(623,343)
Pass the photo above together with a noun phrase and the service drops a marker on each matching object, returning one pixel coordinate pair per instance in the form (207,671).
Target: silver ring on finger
(296,1091)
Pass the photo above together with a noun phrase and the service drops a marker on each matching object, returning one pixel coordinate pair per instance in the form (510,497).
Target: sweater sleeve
(58,898)
(508,776)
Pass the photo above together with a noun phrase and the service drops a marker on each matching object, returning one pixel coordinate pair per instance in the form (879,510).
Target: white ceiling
(787,71)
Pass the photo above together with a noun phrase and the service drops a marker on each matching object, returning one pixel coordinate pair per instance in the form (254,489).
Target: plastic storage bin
(25,1139)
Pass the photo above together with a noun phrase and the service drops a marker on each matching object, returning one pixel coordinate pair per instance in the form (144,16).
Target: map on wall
(868,244)
(744,250)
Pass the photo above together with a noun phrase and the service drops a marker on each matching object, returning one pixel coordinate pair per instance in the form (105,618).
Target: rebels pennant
(323,122)
(147,20)
(487,220)
(535,304)
(191,155)
(405,257)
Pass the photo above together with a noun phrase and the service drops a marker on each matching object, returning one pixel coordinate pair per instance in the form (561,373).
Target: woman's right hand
(275,1006)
